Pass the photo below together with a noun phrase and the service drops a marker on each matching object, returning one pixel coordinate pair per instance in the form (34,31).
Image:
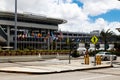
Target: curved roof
(31,18)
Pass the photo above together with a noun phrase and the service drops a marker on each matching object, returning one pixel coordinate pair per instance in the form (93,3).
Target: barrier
(98,60)
(86,58)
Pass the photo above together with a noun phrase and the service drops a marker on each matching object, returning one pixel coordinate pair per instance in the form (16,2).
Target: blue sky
(78,2)
(111,16)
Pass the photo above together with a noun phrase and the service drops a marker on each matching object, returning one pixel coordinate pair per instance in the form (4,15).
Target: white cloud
(113,27)
(76,16)
(97,7)
(2,5)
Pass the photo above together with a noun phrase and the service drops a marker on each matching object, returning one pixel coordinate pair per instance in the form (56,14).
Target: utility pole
(15,45)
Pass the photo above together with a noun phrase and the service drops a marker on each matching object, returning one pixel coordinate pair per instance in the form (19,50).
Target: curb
(62,71)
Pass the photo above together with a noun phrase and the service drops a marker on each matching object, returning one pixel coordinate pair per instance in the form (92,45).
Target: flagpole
(15,45)
(56,38)
(48,43)
(56,44)
(60,38)
(60,44)
(48,35)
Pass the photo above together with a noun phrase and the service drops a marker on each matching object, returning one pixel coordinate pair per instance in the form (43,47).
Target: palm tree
(105,35)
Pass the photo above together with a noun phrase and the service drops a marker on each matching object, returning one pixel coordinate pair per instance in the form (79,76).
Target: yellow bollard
(98,60)
(86,58)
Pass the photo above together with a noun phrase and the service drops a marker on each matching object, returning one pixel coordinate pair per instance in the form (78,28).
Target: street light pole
(15,45)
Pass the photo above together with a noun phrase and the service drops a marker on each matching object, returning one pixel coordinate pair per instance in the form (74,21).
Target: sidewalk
(38,68)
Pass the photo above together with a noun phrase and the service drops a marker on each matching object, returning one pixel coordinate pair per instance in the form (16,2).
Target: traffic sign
(94,39)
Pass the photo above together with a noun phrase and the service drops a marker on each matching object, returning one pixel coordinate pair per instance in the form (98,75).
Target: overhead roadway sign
(94,39)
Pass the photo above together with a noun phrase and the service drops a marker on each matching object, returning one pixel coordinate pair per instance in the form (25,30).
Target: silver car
(105,56)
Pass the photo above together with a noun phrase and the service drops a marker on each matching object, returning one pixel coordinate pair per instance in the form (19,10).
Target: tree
(117,42)
(105,35)
(117,46)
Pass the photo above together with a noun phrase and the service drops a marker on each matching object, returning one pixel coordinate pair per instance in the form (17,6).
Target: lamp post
(15,45)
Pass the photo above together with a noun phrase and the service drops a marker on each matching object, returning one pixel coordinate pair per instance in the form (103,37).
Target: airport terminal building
(36,32)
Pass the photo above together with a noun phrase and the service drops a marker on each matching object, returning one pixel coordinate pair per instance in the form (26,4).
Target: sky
(81,15)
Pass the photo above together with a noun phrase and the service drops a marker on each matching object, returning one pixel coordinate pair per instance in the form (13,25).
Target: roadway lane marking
(91,78)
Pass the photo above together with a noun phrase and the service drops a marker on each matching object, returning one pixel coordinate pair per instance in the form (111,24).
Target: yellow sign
(94,39)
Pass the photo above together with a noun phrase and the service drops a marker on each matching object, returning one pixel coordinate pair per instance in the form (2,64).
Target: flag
(32,34)
(68,40)
(39,35)
(23,36)
(51,40)
(73,39)
(45,39)
(35,35)
(20,35)
(53,37)
(48,35)
(56,37)
(28,34)
(78,40)
(61,35)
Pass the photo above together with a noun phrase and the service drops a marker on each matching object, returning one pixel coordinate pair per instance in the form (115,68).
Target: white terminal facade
(36,32)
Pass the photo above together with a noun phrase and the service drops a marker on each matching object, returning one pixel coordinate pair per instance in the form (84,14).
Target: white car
(106,56)
(81,51)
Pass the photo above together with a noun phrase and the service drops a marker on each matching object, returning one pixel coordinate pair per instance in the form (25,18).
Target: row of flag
(51,36)
(38,35)
(25,35)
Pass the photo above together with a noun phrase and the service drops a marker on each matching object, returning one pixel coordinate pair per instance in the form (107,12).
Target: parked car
(81,51)
(106,56)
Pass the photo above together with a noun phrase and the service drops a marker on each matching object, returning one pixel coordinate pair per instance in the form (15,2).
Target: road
(99,74)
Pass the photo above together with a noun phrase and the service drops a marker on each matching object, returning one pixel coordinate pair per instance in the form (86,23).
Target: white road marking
(91,78)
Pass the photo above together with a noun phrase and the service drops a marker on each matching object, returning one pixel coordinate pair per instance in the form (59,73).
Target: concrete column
(81,48)
(92,47)
(82,45)
(101,47)
(111,46)
(8,35)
